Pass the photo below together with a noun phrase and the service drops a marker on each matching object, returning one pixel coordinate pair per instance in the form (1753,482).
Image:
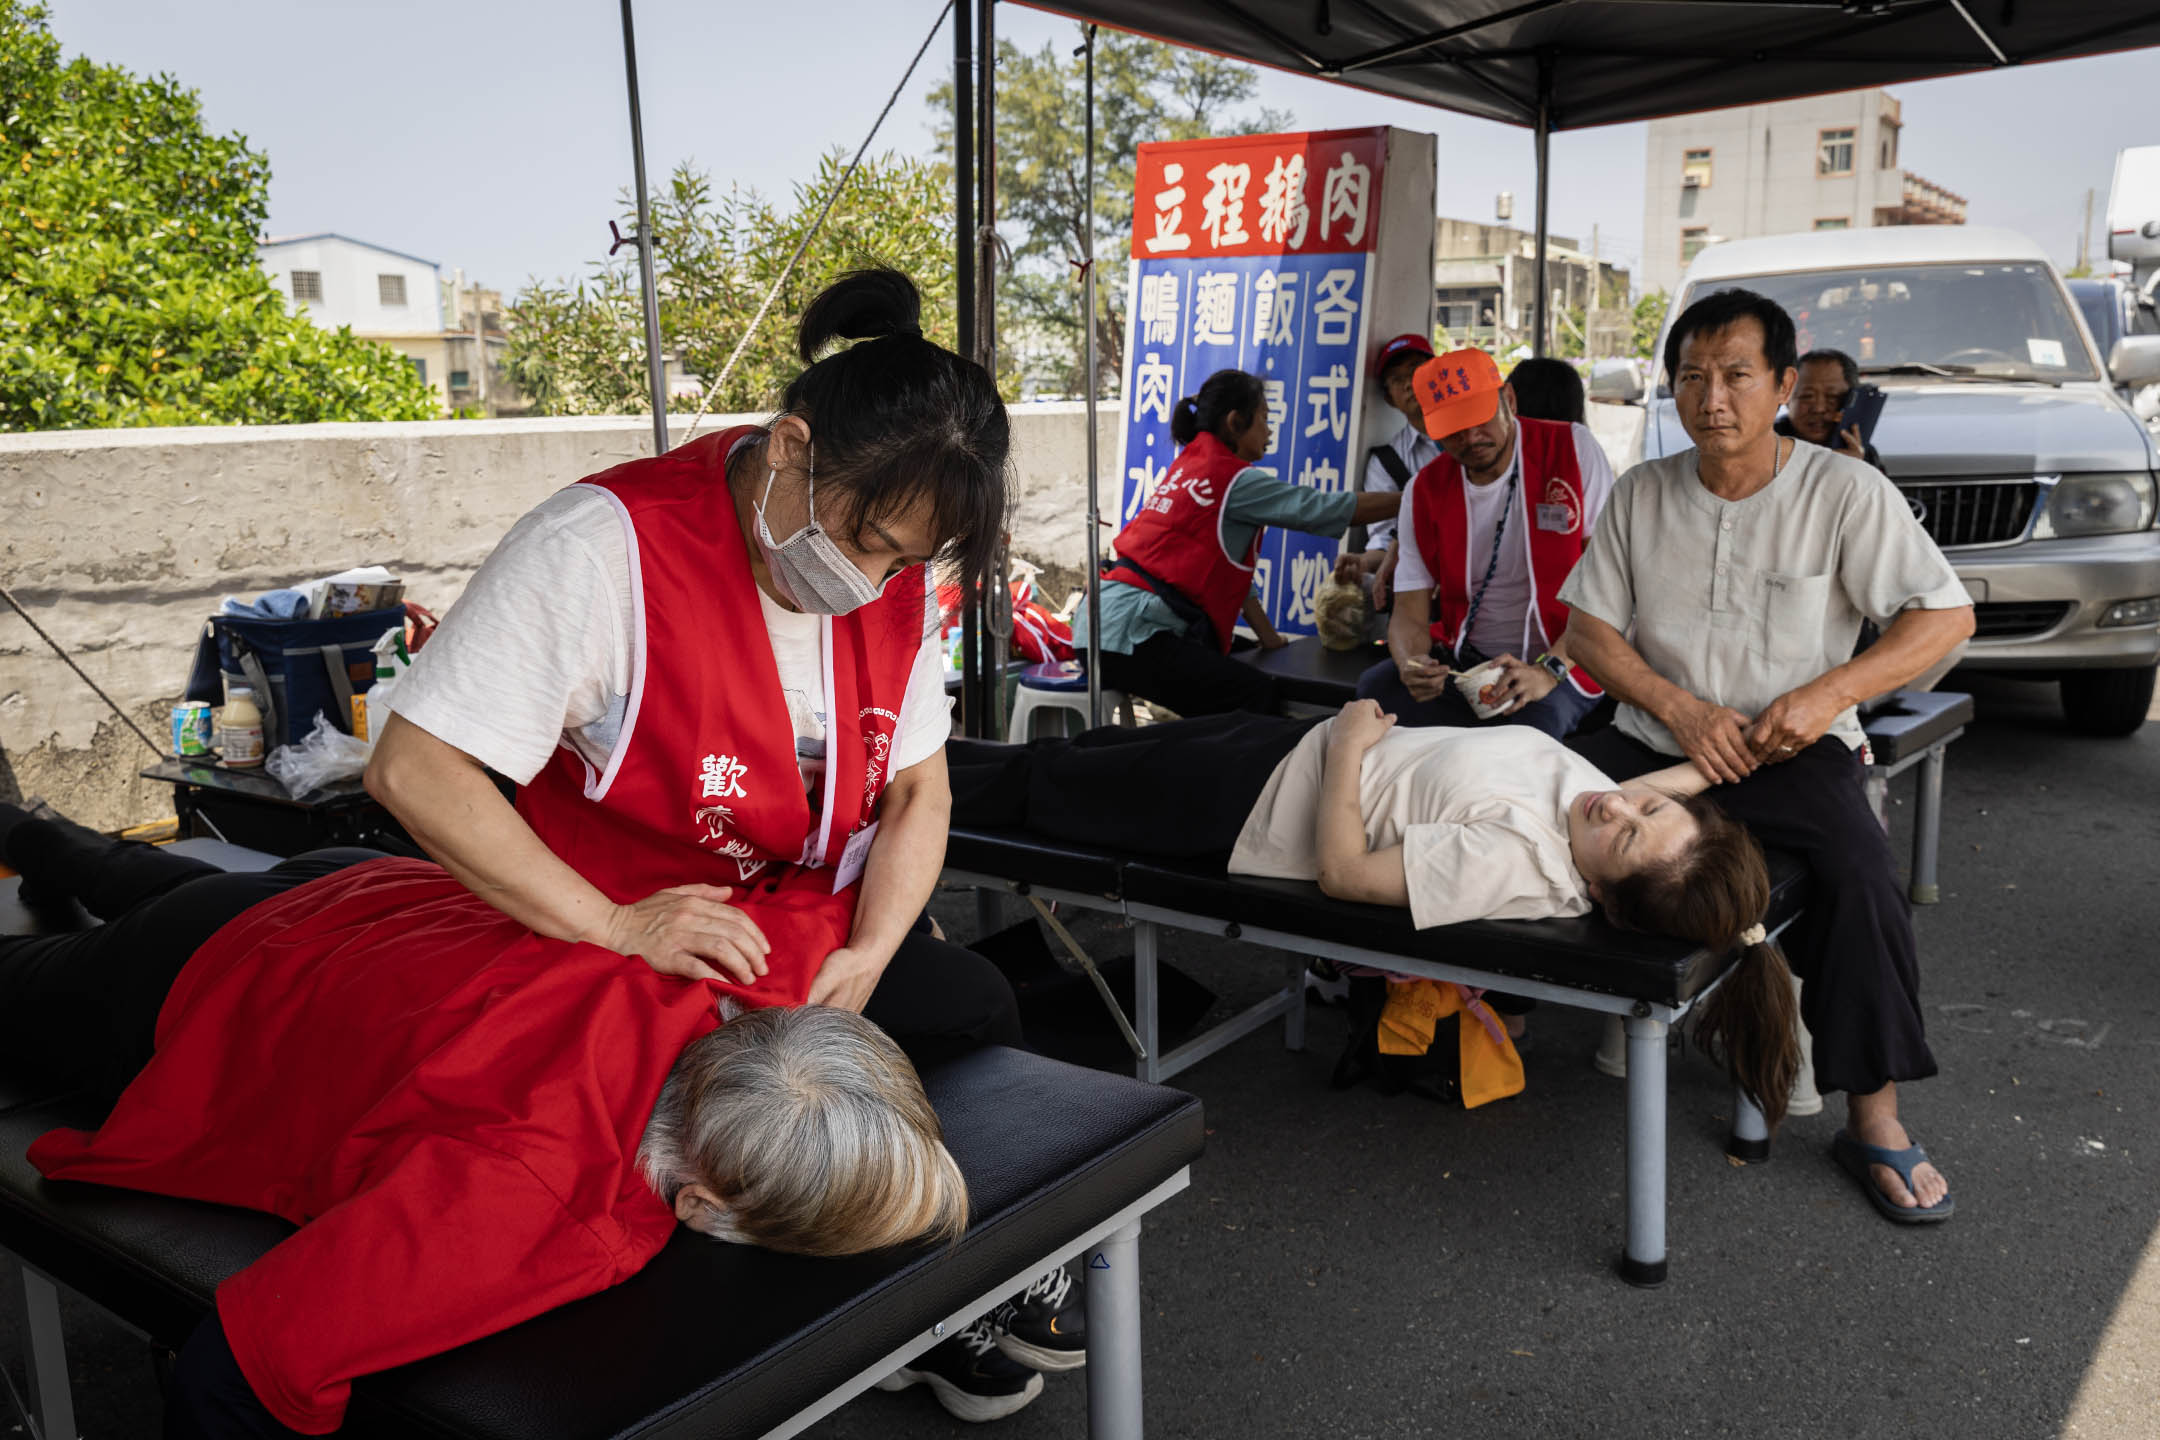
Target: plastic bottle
(240,730)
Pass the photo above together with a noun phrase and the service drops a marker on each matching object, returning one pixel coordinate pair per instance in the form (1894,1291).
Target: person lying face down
(465,1136)
(1454,824)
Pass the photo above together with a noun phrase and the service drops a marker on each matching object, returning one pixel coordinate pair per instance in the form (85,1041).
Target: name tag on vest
(1557,518)
(854,857)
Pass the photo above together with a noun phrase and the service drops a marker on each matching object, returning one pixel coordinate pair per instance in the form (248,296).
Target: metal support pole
(1147,1001)
(1643,1262)
(1094,483)
(45,1352)
(655,361)
(1113,1337)
(1293,1030)
(1541,327)
(994,621)
(972,720)
(1927,829)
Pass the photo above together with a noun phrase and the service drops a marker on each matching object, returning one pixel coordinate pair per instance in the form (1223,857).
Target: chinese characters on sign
(1254,253)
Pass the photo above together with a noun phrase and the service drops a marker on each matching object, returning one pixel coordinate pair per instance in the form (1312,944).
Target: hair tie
(1753,935)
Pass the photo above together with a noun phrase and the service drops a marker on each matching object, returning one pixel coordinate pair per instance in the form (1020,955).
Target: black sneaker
(1045,1326)
(971,1377)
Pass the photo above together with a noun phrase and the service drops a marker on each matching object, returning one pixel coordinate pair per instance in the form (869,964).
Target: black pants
(1853,948)
(1190,678)
(1175,791)
(79,1010)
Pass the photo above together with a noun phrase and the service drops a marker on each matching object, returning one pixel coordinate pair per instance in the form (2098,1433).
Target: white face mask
(809,570)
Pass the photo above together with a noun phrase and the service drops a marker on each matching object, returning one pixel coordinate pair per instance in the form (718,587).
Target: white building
(342,281)
(1826,162)
(402,301)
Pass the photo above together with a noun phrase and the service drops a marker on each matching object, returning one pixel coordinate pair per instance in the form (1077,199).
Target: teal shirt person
(1132,615)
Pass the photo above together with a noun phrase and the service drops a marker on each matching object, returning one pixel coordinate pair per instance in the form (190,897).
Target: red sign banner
(1303,194)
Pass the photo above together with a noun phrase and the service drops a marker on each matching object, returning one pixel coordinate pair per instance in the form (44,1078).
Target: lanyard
(1507,504)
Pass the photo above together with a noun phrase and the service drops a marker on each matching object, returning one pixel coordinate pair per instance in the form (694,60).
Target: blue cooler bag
(297,668)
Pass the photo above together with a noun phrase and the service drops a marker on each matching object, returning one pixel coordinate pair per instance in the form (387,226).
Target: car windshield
(2005,320)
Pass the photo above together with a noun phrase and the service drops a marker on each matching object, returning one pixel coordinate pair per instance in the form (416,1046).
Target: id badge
(854,857)
(1557,518)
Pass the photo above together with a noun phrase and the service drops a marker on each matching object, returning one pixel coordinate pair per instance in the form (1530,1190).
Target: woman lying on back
(1502,823)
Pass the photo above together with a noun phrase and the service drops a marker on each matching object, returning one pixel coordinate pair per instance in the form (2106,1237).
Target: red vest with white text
(702,785)
(1550,526)
(1178,536)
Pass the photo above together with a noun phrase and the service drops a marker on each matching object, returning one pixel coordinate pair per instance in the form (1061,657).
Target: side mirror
(2135,360)
(1616,384)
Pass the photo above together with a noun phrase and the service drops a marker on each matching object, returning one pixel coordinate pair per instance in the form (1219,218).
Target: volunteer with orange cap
(1488,533)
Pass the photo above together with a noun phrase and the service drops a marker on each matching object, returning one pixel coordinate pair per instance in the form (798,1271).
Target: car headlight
(2097,505)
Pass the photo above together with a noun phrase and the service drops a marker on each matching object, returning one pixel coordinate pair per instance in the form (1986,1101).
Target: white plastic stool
(1060,690)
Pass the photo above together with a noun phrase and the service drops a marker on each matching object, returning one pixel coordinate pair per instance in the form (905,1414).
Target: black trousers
(1176,791)
(79,1010)
(1853,948)
(1190,678)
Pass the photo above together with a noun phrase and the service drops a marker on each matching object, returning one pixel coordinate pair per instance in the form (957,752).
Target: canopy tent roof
(1609,61)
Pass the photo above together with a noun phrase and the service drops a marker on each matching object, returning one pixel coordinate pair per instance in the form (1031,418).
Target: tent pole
(991,676)
(1542,325)
(971,717)
(1094,505)
(655,361)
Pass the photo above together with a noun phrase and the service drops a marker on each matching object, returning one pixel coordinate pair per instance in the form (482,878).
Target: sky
(493,136)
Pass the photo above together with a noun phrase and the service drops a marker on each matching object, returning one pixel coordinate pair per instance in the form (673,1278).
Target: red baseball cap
(1412,344)
(1457,390)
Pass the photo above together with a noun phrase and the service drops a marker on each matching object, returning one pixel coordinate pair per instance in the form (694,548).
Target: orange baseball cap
(1457,390)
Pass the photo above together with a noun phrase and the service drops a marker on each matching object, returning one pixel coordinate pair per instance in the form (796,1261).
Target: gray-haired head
(803,1130)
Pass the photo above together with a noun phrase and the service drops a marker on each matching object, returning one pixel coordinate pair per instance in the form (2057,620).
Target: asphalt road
(1352,1266)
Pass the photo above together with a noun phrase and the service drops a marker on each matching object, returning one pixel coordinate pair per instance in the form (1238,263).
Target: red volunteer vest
(1177,536)
(1551,525)
(702,786)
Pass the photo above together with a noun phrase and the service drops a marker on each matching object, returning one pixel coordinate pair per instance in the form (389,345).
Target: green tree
(578,347)
(1144,90)
(127,238)
(1649,320)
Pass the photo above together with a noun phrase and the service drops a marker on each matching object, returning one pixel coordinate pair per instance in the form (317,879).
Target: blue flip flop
(1855,1158)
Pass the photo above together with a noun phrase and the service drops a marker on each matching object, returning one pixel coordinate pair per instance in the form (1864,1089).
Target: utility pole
(2084,264)
(1596,284)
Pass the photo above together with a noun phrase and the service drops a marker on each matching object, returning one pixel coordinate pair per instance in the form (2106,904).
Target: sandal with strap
(1855,1159)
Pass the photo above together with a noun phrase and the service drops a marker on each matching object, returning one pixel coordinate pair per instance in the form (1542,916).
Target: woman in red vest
(714,678)
(1184,572)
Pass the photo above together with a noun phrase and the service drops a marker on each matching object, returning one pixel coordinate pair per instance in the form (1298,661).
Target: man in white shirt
(1742,569)
(1489,530)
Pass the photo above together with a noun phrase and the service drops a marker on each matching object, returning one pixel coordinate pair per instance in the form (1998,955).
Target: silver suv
(2004,429)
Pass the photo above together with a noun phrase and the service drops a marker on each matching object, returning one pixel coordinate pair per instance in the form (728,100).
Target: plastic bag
(327,754)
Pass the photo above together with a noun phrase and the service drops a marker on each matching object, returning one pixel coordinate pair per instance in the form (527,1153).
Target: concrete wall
(121,542)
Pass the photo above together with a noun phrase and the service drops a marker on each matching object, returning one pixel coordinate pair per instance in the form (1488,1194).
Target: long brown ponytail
(1714,894)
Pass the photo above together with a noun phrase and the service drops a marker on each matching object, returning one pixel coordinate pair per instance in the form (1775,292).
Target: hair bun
(860,305)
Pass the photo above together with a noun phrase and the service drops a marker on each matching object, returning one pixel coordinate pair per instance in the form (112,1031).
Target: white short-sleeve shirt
(1504,624)
(541,648)
(1740,601)
(1481,815)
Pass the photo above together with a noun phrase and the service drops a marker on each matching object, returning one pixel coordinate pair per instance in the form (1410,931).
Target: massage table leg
(1113,1335)
(1750,1138)
(1293,1020)
(989,912)
(1643,1262)
(1927,827)
(51,1402)
(1147,1001)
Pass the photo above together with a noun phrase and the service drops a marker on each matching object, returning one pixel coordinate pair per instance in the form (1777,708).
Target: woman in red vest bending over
(1184,570)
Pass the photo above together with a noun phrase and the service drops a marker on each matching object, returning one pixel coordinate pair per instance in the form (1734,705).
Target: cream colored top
(1481,815)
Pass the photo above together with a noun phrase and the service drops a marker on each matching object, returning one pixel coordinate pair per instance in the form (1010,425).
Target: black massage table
(1904,729)
(710,1339)
(1650,981)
